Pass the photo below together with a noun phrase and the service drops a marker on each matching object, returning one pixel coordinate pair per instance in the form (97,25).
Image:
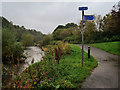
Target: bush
(53,42)
(115,38)
(11,50)
(67,48)
(46,40)
(58,51)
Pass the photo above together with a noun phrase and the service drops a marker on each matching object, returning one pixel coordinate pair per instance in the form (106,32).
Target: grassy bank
(48,74)
(111,47)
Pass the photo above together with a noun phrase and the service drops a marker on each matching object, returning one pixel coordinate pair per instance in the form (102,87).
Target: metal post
(82,35)
(88,51)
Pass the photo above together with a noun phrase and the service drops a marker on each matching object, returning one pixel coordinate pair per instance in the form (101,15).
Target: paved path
(106,74)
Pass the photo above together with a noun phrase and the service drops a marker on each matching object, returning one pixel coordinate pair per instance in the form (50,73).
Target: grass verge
(48,74)
(111,47)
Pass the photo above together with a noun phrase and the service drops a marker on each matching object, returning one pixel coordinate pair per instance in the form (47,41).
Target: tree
(46,40)
(69,25)
(111,23)
(18,51)
(10,51)
(27,39)
(8,40)
(98,22)
(59,27)
(62,32)
(89,31)
(115,17)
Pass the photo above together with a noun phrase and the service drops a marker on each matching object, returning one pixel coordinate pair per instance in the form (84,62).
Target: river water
(32,53)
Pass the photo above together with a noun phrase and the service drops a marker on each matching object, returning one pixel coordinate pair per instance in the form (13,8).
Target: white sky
(46,16)
(59,0)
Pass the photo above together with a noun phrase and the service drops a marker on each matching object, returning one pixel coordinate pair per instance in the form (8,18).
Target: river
(31,53)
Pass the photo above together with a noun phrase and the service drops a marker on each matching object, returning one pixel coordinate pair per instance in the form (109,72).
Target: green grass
(111,47)
(69,73)
(72,67)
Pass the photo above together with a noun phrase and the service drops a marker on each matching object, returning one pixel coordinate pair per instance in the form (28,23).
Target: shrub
(46,40)
(115,38)
(53,42)
(67,48)
(58,51)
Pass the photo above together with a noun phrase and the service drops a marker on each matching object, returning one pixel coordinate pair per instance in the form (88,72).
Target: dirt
(106,74)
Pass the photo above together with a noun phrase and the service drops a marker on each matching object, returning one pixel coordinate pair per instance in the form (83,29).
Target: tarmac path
(106,74)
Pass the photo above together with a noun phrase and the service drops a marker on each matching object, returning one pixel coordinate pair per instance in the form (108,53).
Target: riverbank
(69,73)
(31,53)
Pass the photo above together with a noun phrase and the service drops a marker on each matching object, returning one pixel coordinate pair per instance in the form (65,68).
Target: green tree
(111,22)
(27,39)
(69,25)
(46,40)
(89,31)
(57,35)
(18,51)
(8,40)
(10,50)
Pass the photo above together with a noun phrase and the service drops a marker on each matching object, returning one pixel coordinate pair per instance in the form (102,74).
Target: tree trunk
(12,58)
(18,60)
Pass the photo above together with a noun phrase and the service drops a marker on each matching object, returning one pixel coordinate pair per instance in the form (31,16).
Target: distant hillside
(68,32)
(18,31)
(68,25)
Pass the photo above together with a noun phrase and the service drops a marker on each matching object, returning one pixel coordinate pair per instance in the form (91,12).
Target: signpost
(84,17)
(83,8)
(88,17)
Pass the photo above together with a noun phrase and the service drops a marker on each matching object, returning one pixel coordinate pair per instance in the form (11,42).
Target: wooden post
(88,51)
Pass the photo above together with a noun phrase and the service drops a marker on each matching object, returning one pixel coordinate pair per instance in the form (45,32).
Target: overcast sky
(46,16)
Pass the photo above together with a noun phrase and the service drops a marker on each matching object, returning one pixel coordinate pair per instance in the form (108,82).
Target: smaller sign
(89,17)
(83,8)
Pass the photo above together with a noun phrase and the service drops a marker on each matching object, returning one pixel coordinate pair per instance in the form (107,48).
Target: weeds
(50,73)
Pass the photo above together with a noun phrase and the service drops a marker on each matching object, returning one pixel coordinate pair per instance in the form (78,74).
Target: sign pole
(82,36)
(84,17)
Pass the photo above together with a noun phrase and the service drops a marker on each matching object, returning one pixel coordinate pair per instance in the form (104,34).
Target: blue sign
(89,17)
(83,8)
